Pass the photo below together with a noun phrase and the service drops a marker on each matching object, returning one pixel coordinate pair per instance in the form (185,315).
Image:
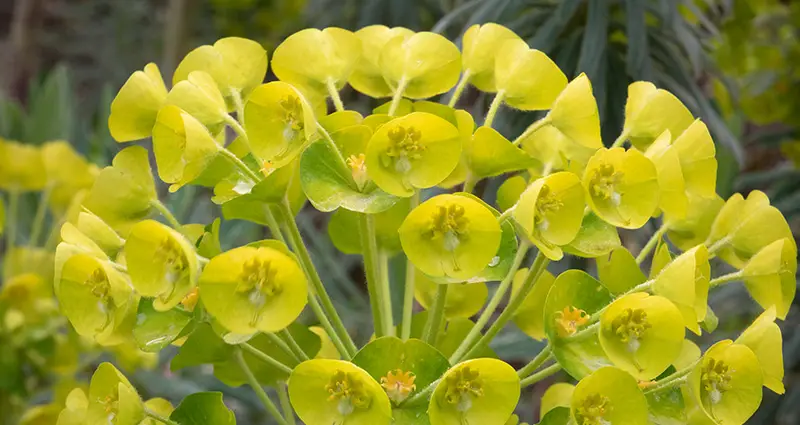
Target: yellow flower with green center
(726,383)
(479,47)
(250,289)
(398,385)
(367,77)
(769,276)
(527,78)
(479,391)
(684,282)
(649,111)
(416,151)
(463,299)
(642,334)
(337,392)
(134,109)
(161,262)
(421,65)
(279,122)
(551,211)
(314,59)
(608,396)
(22,167)
(621,187)
(692,229)
(112,399)
(763,336)
(450,235)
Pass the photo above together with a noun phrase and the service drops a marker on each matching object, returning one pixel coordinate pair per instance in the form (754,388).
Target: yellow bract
(134,109)
(367,76)
(530,314)
(764,337)
(574,113)
(420,66)
(67,173)
(527,78)
(200,97)
(649,111)
(21,167)
(685,282)
(673,200)
(479,51)
(770,276)
(463,299)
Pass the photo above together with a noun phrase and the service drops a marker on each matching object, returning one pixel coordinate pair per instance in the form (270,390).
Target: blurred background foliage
(735,63)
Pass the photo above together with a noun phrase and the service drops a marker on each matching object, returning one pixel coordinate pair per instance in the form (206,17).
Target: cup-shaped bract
(764,337)
(744,226)
(697,156)
(478,391)
(67,173)
(649,111)
(367,77)
(112,399)
(200,97)
(182,145)
(22,167)
(530,314)
(642,334)
(555,150)
(608,396)
(326,391)
(250,289)
(672,187)
(421,65)
(75,408)
(123,193)
(694,227)
(99,232)
(527,78)
(551,211)
(621,187)
(314,59)
(479,52)
(770,276)
(96,298)
(279,122)
(134,109)
(685,283)
(726,383)
(575,114)
(450,235)
(237,64)
(162,264)
(415,151)
(463,300)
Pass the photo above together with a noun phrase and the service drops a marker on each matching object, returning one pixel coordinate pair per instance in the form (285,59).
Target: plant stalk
(652,243)
(272,409)
(294,346)
(38,219)
(493,108)
(533,128)
(280,343)
(462,84)
(408,290)
(436,315)
(726,278)
(155,416)
(265,358)
(623,137)
(164,211)
(286,404)
(540,375)
(536,362)
(375,288)
(337,101)
(398,96)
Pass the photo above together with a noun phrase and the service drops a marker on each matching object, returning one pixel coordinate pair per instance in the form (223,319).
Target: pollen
(630,325)
(348,391)
(593,409)
(293,113)
(358,167)
(462,387)
(546,203)
(604,183)
(258,283)
(398,385)
(715,379)
(404,147)
(190,300)
(569,320)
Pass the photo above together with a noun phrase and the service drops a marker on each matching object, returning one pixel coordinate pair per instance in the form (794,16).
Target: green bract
(480,391)
(556,395)
(415,151)
(608,396)
(134,109)
(530,315)
(367,76)
(770,276)
(693,229)
(526,78)
(420,65)
(649,111)
(450,235)
(685,282)
(763,336)
(480,44)
(574,113)
(200,97)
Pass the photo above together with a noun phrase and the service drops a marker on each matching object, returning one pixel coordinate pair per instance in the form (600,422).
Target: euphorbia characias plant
(402,181)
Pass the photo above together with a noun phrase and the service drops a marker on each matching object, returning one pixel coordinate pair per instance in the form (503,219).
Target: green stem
(286,404)
(280,343)
(344,351)
(435,315)
(265,358)
(11,229)
(272,409)
(493,108)
(231,121)
(398,96)
(490,308)
(369,250)
(38,219)
(537,361)
(422,394)
(716,246)
(506,214)
(533,128)
(273,226)
(462,84)
(620,140)
(337,101)
(294,346)
(540,375)
(676,378)
(153,415)
(469,183)
(164,211)
(652,243)
(240,165)
(237,102)
(316,283)
(333,146)
(386,291)
(536,270)
(726,278)
(408,290)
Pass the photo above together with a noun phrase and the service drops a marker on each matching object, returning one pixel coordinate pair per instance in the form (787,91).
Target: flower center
(569,320)
(398,385)
(629,326)
(348,390)
(259,284)
(292,116)
(715,379)
(604,182)
(101,288)
(404,147)
(449,225)
(593,409)
(546,203)
(462,386)
(176,265)
(358,167)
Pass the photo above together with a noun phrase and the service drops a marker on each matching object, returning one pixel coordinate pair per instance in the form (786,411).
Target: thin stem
(496,102)
(318,288)
(676,378)
(240,165)
(11,229)
(716,246)
(273,225)
(231,121)
(505,284)
(506,214)
(408,290)
(332,144)
(435,315)
(237,102)
(533,128)
(726,278)
(326,324)
(294,346)
(265,358)
(280,343)
(652,243)
(620,140)
(164,211)
(462,84)
(540,375)
(337,101)
(386,291)
(369,250)
(286,404)
(469,183)
(536,270)
(398,96)
(422,394)
(537,361)
(155,416)
(265,400)
(38,219)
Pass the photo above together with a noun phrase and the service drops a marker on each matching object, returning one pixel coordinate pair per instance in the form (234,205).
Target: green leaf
(203,409)
(155,330)
(203,346)
(595,40)
(546,36)
(638,60)
(491,154)
(618,271)
(208,245)
(411,415)
(596,238)
(387,354)
(556,416)
(666,407)
(343,228)
(51,109)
